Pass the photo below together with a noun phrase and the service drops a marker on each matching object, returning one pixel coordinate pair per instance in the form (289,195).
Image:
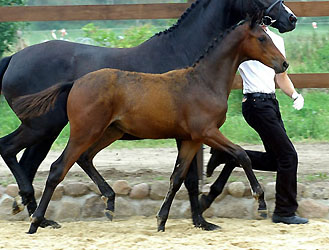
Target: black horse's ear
(260,4)
(256,19)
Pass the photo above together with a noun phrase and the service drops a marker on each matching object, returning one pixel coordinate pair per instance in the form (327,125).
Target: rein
(267,20)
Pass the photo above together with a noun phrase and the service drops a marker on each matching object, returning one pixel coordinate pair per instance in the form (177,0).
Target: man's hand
(298,101)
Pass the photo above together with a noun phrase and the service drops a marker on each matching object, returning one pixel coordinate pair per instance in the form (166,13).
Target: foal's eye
(262,38)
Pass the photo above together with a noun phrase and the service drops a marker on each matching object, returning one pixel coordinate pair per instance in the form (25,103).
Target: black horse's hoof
(161,224)
(17,205)
(207,226)
(49,223)
(109,214)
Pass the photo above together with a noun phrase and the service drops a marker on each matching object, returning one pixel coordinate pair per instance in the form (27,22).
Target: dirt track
(140,233)
(150,165)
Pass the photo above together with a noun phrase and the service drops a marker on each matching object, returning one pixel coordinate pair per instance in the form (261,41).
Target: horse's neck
(187,41)
(219,66)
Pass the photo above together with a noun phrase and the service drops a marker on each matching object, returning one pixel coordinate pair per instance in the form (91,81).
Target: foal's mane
(217,41)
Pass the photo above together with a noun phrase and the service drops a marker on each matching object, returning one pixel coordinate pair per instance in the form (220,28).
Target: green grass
(307,125)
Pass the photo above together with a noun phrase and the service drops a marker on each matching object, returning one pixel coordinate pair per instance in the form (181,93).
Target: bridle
(267,20)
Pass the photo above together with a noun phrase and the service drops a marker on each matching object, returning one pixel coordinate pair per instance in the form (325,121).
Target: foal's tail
(37,104)
(3,67)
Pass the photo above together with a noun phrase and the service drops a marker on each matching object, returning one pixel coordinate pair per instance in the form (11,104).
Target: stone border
(82,201)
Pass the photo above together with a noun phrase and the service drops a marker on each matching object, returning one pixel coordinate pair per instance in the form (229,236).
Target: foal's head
(257,45)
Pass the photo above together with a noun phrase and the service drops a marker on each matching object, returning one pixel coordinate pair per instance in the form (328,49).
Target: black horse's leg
(187,151)
(30,162)
(10,145)
(216,188)
(192,185)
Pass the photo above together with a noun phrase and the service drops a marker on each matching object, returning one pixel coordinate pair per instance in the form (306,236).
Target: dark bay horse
(188,104)
(40,66)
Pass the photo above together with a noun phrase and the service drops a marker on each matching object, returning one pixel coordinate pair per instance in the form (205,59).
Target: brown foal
(189,104)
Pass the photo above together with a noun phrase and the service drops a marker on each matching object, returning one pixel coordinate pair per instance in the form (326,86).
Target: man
(260,109)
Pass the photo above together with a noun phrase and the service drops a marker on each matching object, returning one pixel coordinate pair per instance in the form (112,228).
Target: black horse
(40,66)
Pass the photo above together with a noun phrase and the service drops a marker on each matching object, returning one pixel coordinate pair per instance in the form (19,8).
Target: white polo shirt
(258,77)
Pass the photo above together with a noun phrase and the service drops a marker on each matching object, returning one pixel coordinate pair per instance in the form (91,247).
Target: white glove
(298,101)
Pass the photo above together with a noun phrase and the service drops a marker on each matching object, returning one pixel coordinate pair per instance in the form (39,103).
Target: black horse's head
(278,15)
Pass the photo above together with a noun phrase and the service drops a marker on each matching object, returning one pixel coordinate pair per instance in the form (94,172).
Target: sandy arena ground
(138,165)
(140,233)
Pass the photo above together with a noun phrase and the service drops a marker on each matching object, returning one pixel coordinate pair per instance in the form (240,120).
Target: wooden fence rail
(128,11)
(154,11)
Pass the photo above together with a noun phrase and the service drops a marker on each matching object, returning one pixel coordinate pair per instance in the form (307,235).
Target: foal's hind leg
(187,151)
(80,140)
(218,141)
(86,163)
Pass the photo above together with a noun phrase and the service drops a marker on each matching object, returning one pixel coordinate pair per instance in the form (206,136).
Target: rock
(159,190)
(236,189)
(270,191)
(121,187)
(6,209)
(312,209)
(69,210)
(93,207)
(182,194)
(300,189)
(58,193)
(206,189)
(94,188)
(76,189)
(140,191)
(223,194)
(317,191)
(149,207)
(231,207)
(12,190)
(124,207)
(37,192)
(2,191)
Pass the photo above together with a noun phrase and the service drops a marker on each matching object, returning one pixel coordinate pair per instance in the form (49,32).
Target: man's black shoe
(289,219)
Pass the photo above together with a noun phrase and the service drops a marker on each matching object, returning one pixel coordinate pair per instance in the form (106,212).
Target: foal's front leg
(218,141)
(187,151)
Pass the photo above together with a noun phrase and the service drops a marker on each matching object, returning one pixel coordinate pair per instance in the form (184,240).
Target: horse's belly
(152,129)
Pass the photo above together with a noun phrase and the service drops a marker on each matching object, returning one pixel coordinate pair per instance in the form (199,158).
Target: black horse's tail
(3,67)
(37,104)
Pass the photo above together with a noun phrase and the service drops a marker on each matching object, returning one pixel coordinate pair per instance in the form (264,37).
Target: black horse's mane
(217,40)
(189,10)
(182,17)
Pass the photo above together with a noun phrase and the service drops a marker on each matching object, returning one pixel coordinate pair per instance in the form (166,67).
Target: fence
(155,11)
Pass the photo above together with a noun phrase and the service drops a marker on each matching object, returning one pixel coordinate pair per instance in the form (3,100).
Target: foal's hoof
(261,214)
(17,205)
(49,223)
(207,226)
(109,214)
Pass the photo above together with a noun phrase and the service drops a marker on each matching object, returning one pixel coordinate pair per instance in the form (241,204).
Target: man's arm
(286,85)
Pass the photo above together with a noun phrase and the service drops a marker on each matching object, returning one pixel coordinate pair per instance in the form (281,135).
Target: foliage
(309,54)
(109,38)
(8,30)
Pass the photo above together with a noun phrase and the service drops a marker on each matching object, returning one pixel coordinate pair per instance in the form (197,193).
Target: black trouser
(263,115)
